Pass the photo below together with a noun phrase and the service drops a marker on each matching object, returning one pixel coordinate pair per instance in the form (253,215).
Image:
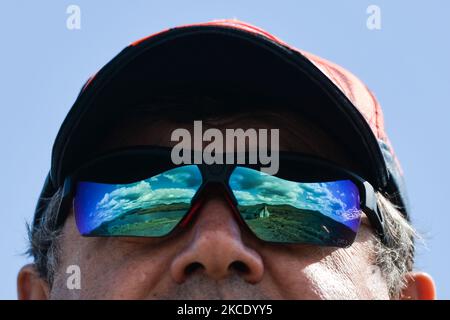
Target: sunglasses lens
(150,207)
(279,210)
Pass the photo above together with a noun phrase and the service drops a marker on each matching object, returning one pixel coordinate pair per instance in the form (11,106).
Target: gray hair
(43,239)
(394,260)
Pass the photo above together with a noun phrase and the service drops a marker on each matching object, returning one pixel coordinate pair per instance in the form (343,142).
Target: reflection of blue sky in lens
(98,202)
(337,199)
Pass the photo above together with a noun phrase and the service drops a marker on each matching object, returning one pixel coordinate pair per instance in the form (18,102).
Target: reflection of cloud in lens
(279,188)
(141,196)
(244,197)
(187,179)
(176,186)
(256,187)
(128,193)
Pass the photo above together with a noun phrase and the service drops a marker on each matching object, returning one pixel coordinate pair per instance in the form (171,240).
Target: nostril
(240,267)
(192,268)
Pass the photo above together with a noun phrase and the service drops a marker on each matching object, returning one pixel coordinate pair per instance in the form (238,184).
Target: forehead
(295,132)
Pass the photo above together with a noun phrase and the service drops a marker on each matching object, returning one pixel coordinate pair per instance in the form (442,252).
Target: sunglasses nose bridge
(217,173)
(216,188)
(217,176)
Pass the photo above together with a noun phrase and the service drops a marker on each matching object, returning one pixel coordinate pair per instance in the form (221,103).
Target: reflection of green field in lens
(151,222)
(285,223)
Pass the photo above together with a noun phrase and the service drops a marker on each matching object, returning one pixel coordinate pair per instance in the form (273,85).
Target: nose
(215,248)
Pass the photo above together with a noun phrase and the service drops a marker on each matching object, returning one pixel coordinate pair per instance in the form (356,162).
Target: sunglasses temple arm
(373,213)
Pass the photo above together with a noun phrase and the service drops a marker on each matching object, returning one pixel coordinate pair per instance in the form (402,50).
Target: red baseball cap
(228,56)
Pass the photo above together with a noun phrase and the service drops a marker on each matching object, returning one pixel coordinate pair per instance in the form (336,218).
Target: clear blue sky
(406,64)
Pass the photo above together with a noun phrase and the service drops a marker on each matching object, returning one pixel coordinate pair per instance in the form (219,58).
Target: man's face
(215,257)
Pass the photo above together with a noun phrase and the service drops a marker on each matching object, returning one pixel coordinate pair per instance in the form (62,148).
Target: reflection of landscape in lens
(150,207)
(279,210)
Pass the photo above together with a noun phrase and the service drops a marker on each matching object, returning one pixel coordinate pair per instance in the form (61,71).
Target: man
(331,223)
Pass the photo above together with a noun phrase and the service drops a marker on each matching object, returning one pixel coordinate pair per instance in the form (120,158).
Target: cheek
(348,274)
(109,268)
(123,276)
(307,272)
(336,276)
(285,269)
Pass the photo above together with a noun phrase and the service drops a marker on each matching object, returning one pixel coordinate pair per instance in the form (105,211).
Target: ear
(30,286)
(419,286)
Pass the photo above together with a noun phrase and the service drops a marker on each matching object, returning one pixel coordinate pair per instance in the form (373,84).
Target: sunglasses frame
(212,174)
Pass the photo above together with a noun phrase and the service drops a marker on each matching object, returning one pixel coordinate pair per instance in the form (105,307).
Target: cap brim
(212,58)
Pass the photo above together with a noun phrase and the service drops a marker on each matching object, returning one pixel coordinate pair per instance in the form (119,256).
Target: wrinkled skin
(215,258)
